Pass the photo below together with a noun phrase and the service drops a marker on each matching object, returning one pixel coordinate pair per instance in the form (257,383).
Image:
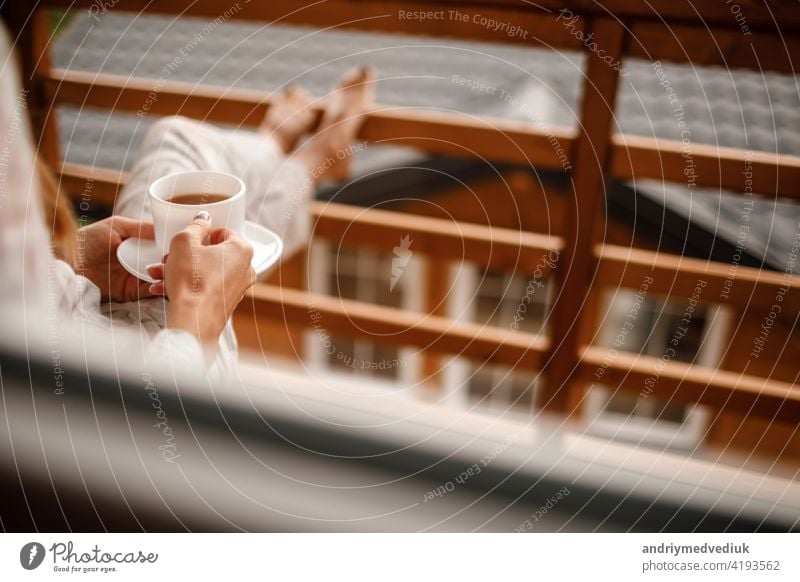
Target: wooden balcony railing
(697,33)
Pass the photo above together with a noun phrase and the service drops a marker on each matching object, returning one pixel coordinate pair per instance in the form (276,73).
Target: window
(503,390)
(681,331)
(501,299)
(363,275)
(492,298)
(499,302)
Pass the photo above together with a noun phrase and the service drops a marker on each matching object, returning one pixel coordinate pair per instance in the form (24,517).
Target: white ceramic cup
(170,218)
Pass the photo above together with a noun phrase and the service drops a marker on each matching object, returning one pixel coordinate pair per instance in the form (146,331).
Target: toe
(351,77)
(366,73)
(302,96)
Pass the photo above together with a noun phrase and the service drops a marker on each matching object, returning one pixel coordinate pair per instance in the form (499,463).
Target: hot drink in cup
(177,198)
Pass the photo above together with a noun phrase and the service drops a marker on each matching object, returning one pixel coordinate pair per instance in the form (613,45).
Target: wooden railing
(701,33)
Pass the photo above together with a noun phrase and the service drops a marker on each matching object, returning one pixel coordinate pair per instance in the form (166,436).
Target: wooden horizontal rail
(449,20)
(732,48)
(498,248)
(437,132)
(446,133)
(651,377)
(771,175)
(672,275)
(95,186)
(330,315)
(707,33)
(758,14)
(687,384)
(678,277)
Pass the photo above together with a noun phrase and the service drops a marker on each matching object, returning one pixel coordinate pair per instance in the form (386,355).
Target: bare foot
(289,118)
(329,150)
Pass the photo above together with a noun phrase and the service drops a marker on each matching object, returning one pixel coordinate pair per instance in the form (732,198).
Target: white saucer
(135,254)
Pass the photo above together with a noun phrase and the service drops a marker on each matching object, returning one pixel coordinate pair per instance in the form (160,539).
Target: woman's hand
(205,275)
(97,257)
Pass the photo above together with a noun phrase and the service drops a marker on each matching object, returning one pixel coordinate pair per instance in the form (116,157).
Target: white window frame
(687,435)
(319,266)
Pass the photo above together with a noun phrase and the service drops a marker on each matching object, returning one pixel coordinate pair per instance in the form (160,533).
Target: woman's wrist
(190,313)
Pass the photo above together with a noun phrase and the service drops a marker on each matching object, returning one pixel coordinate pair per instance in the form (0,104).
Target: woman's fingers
(144,290)
(228,237)
(220,235)
(193,235)
(156,271)
(200,228)
(239,245)
(157,288)
(129,228)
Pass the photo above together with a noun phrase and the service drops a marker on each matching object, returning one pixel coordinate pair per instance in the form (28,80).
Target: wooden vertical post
(437,286)
(32,30)
(583,208)
(44,114)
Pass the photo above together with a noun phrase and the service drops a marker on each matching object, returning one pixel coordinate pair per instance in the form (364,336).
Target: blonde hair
(59,217)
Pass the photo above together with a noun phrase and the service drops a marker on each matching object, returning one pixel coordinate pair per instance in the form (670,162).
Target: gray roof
(736,109)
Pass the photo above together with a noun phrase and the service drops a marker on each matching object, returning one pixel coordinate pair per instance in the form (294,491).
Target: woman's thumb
(200,227)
